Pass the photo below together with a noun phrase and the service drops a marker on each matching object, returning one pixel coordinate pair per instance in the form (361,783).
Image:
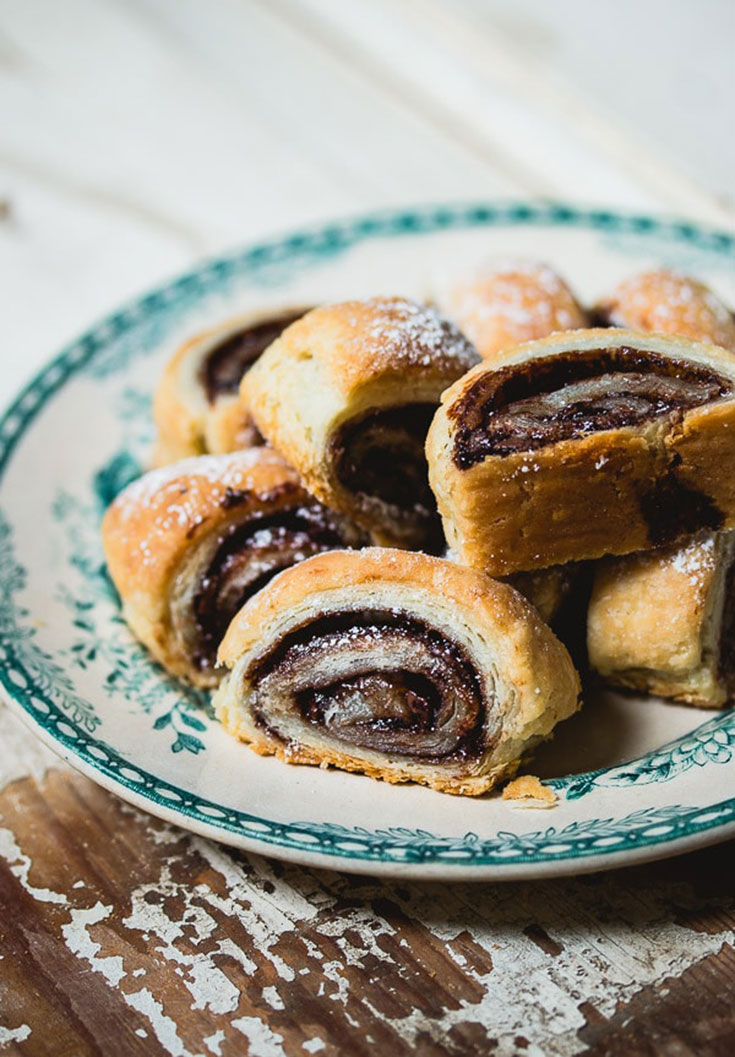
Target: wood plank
(487,91)
(124,935)
(670,89)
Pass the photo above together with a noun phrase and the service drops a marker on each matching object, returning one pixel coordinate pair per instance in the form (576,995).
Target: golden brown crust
(187,422)
(670,303)
(340,362)
(655,619)
(156,527)
(505,303)
(580,498)
(534,682)
(158,517)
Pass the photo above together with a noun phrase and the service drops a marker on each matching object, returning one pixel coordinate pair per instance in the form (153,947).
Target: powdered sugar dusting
(695,559)
(411,334)
(177,492)
(226,471)
(505,302)
(673,303)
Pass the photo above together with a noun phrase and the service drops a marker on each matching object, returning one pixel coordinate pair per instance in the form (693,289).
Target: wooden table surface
(138,136)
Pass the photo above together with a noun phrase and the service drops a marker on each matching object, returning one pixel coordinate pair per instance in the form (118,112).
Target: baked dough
(587,443)
(346,395)
(197,407)
(188,543)
(398,665)
(663,622)
(506,302)
(671,303)
(676,633)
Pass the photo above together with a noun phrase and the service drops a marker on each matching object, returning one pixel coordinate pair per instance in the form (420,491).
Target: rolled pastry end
(186,545)
(400,666)
(196,408)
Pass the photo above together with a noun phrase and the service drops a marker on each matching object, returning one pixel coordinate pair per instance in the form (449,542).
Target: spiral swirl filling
(380,459)
(527,406)
(376,680)
(227,362)
(252,553)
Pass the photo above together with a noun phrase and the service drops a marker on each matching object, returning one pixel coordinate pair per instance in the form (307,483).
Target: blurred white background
(138,135)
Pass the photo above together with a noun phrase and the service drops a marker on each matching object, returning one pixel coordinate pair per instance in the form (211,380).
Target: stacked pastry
(339,576)
(663,621)
(605,443)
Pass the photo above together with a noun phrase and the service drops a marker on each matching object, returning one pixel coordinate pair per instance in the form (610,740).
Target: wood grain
(122,935)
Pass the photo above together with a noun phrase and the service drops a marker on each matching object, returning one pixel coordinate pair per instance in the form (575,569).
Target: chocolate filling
(405,688)
(249,556)
(530,405)
(225,365)
(672,509)
(727,633)
(380,458)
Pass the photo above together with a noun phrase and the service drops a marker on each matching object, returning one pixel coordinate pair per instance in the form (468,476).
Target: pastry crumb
(529,787)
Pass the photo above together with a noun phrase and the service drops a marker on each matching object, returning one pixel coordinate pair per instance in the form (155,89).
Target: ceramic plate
(636,779)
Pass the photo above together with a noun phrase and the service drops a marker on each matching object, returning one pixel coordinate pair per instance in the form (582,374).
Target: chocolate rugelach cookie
(586,443)
(187,544)
(663,622)
(668,302)
(346,395)
(197,408)
(506,302)
(402,666)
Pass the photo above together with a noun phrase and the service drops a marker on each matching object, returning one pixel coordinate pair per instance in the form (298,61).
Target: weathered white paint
(314,1045)
(20,866)
(272,997)
(164,1028)
(19,1034)
(612,949)
(78,940)
(208,985)
(263,1041)
(214,1042)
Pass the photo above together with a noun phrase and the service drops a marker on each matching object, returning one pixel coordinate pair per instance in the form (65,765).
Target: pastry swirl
(197,408)
(188,544)
(399,665)
(346,395)
(586,443)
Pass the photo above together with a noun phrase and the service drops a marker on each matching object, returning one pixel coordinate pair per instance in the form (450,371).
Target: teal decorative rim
(596,837)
